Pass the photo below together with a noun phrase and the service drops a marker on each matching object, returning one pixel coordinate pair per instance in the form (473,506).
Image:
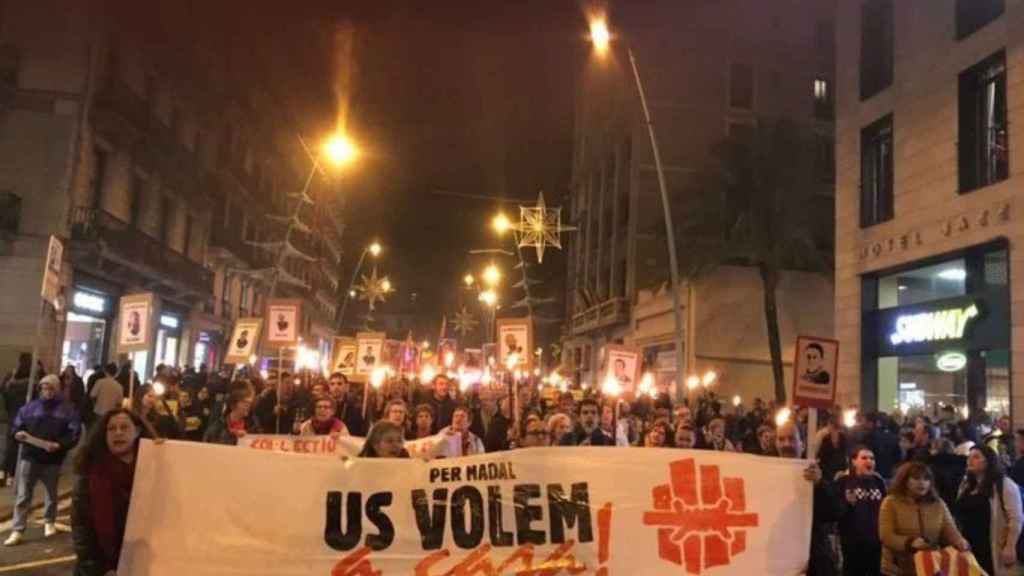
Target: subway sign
(934,326)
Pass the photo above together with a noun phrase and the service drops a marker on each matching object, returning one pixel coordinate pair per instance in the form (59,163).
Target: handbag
(947,561)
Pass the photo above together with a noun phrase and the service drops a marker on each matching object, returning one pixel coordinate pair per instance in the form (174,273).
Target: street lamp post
(374,250)
(601,38)
(339,151)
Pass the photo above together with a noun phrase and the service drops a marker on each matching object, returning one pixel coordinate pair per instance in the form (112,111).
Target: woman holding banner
(99,504)
(385,441)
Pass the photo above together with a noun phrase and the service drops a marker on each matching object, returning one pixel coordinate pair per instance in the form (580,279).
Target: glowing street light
(600,35)
(489,297)
(352,293)
(692,382)
(340,150)
(385,285)
(374,249)
(501,224)
(709,378)
(468,280)
(736,401)
(611,386)
(492,275)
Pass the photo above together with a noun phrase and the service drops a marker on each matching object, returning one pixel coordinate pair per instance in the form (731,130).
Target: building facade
(928,247)
(710,70)
(145,139)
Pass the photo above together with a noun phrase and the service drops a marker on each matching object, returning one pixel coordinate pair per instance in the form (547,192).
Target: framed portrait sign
(622,364)
(283,320)
(515,336)
(344,356)
(136,321)
(814,372)
(243,340)
(369,352)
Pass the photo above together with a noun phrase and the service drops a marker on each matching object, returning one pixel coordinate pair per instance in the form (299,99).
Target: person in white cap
(46,429)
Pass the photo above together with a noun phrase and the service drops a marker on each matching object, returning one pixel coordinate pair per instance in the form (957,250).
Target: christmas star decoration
(373,289)
(464,322)
(541,227)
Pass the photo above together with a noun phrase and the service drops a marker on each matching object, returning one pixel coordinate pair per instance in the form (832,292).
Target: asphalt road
(38,556)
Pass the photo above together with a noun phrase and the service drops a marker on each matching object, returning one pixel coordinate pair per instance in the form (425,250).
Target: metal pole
(33,373)
(348,291)
(669,232)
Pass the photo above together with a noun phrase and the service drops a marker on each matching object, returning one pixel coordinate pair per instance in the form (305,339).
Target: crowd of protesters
(885,485)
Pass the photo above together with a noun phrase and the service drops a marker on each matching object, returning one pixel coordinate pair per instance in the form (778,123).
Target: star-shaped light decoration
(465,322)
(374,289)
(541,227)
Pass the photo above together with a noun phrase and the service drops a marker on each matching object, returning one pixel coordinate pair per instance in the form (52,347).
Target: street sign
(51,273)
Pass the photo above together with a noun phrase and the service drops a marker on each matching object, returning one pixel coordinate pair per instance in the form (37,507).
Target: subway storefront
(936,333)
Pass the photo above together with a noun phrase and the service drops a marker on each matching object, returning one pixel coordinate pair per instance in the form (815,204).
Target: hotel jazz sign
(936,326)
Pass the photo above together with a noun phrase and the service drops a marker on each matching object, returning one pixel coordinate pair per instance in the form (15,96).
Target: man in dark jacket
(15,389)
(47,428)
(277,415)
(489,424)
(587,431)
(826,507)
(347,410)
(442,403)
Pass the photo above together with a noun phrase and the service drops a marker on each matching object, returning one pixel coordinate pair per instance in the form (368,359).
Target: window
(973,15)
(876,47)
(876,194)
(984,140)
(137,191)
(822,99)
(940,281)
(741,86)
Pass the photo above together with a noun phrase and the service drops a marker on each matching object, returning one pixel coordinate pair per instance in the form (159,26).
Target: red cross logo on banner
(701,519)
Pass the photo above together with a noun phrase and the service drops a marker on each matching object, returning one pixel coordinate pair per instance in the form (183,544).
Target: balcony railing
(607,313)
(133,248)
(230,239)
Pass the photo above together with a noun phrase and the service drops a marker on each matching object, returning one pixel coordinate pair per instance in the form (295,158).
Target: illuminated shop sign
(88,301)
(951,362)
(934,326)
(171,322)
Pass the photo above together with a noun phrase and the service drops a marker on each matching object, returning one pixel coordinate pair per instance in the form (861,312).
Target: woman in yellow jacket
(914,518)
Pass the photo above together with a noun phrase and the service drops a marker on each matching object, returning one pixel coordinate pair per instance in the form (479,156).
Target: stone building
(159,148)
(927,240)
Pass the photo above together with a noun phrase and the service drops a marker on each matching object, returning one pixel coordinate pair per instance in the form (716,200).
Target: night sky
(457,98)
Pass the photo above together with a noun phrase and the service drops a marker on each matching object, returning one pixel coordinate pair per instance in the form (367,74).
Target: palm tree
(759,201)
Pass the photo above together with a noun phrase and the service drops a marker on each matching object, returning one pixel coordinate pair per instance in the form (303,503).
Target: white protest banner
(550,511)
(436,446)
